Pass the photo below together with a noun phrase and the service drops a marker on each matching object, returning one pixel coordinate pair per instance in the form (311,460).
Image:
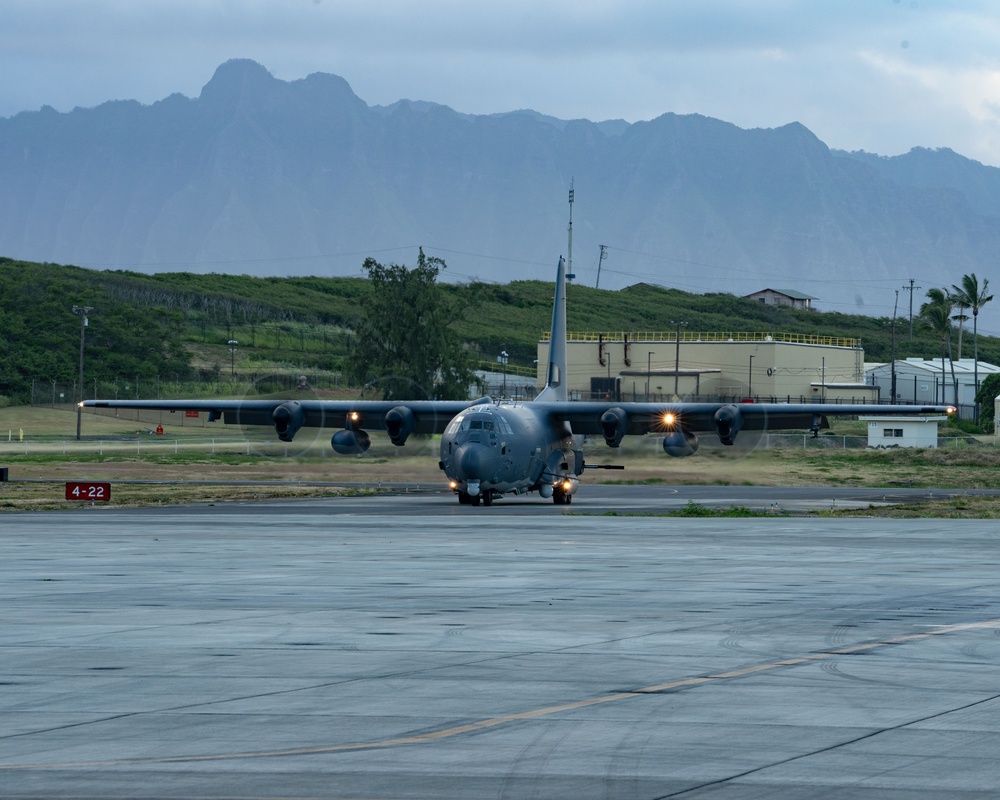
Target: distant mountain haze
(269,177)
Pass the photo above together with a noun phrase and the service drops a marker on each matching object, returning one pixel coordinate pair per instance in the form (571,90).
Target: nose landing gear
(485,497)
(560,496)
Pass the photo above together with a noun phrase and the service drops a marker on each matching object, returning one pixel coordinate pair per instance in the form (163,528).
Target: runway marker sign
(88,491)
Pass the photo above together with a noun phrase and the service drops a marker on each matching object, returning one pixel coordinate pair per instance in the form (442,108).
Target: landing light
(669,418)
(354,416)
(452,485)
(567,485)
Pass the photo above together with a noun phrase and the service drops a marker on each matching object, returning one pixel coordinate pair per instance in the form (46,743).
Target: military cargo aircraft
(493,448)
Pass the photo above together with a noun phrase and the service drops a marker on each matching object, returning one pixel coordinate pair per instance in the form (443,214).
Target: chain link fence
(224,384)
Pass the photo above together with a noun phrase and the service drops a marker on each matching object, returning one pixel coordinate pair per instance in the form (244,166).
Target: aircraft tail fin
(555,373)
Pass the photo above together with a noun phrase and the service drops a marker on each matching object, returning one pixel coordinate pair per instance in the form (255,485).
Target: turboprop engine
(288,418)
(350,442)
(399,423)
(680,444)
(728,422)
(614,426)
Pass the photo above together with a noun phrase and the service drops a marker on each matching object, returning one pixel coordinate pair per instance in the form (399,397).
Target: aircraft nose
(477,461)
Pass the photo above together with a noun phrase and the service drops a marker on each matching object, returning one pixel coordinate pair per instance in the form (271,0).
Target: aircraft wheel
(475,499)
(568,499)
(464,499)
(488,499)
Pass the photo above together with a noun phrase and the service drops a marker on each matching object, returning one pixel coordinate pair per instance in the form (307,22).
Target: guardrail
(706,336)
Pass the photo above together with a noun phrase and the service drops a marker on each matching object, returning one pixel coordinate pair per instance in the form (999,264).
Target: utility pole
(911,287)
(569,261)
(82,311)
(600,260)
(892,383)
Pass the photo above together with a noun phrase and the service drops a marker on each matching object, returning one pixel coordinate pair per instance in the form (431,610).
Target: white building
(903,431)
(920,380)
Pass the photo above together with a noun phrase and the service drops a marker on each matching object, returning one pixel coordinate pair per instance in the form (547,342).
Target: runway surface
(396,648)
(606,499)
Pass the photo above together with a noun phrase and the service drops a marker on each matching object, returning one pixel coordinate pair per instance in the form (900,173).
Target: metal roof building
(919,380)
(782,297)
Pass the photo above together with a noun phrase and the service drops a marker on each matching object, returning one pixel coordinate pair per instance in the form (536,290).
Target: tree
(985,398)
(961,318)
(971,295)
(405,345)
(936,315)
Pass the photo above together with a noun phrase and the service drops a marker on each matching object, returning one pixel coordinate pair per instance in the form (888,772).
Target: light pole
(232,358)
(82,311)
(750,380)
(649,360)
(502,358)
(677,356)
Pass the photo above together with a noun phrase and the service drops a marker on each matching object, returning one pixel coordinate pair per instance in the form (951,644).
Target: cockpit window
(479,423)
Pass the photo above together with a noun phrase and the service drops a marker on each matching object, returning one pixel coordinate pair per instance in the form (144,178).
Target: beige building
(769,367)
(782,297)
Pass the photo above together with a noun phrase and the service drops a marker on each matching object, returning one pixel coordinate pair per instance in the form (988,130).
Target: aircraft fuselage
(488,450)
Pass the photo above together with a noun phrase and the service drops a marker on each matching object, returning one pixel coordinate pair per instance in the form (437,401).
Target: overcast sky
(878,75)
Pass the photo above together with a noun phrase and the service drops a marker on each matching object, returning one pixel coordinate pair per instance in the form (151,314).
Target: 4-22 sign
(88,491)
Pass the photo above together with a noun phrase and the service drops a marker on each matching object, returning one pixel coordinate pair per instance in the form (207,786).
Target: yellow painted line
(492,722)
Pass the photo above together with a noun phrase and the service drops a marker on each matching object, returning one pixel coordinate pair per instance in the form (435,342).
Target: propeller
(288,419)
(732,439)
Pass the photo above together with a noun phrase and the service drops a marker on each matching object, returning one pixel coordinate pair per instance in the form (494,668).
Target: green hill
(171,330)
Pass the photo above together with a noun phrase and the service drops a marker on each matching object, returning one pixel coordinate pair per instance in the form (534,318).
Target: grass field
(59,422)
(192,452)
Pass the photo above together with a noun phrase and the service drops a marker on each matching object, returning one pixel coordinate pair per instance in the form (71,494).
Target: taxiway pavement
(394,648)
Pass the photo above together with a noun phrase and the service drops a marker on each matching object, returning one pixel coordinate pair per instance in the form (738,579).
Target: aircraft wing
(399,418)
(615,420)
(288,415)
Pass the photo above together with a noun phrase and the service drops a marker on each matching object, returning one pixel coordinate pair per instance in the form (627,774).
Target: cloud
(837,66)
(964,100)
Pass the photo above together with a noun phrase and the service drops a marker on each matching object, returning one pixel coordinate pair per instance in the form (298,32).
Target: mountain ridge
(265,176)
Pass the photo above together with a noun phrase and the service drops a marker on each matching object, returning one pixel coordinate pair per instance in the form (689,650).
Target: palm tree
(961,318)
(936,315)
(972,295)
